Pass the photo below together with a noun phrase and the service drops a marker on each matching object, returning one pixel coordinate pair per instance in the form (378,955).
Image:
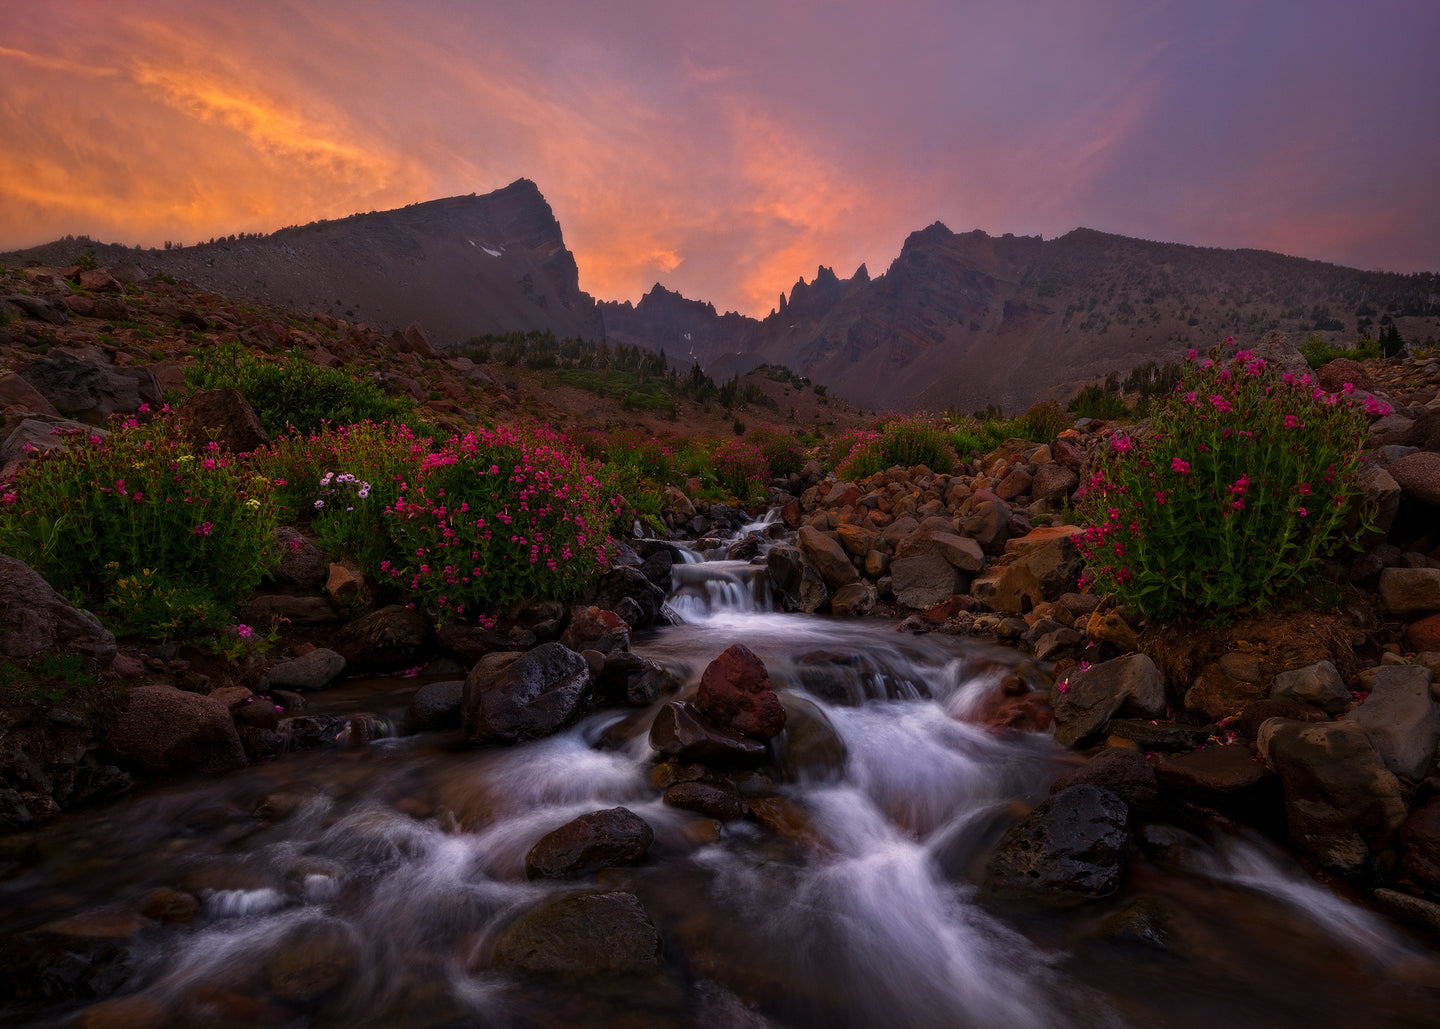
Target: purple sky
(726,150)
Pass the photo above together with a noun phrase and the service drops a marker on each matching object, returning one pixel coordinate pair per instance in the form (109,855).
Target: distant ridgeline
(958,321)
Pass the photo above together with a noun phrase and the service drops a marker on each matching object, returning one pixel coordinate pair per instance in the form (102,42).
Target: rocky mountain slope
(958,321)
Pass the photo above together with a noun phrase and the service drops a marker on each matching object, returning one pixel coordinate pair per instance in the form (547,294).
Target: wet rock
(1340,799)
(813,750)
(311,671)
(594,628)
(601,839)
(315,732)
(1401,719)
(388,640)
(635,681)
(171,907)
(630,583)
(301,566)
(1318,684)
(735,694)
(1071,847)
(718,799)
(657,568)
(681,732)
(166,729)
(527,697)
(222,416)
(436,706)
(1410,592)
(1126,685)
(136,1012)
(35,620)
(582,936)
(795,581)
(312,961)
(1121,770)
(853,601)
(828,556)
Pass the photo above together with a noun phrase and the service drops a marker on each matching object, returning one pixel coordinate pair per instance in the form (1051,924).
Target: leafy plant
(140,501)
(741,469)
(294,392)
(1242,486)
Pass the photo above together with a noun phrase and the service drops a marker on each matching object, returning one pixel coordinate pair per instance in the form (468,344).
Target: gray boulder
(1410,592)
(91,392)
(312,671)
(170,730)
(1401,719)
(1319,684)
(601,839)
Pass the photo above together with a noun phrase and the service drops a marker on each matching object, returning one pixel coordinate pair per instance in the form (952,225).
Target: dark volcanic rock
(630,583)
(735,694)
(436,705)
(36,620)
(525,697)
(166,729)
(681,732)
(719,800)
(91,392)
(601,839)
(1071,847)
(388,640)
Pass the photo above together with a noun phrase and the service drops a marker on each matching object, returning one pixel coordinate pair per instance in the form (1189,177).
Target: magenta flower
(1179,466)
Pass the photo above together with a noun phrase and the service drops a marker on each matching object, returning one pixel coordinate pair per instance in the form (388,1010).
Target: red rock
(1423,635)
(735,694)
(1028,713)
(791,514)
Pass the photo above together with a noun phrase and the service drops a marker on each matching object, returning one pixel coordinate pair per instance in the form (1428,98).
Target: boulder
(1423,636)
(1340,799)
(222,416)
(1053,483)
(314,670)
(90,392)
(582,936)
(828,557)
(1319,684)
(1213,772)
(388,640)
(719,799)
(511,699)
(35,620)
(1226,687)
(601,839)
(681,732)
(594,628)
(1121,770)
(1420,844)
(1071,847)
(1127,685)
(312,960)
(795,580)
(435,706)
(629,679)
(170,730)
(1411,592)
(19,395)
(735,694)
(621,583)
(300,565)
(1401,719)
(924,580)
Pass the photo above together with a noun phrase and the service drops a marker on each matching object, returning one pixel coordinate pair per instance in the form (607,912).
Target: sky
(727,150)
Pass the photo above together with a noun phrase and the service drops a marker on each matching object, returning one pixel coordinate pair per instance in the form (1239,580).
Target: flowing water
(404,859)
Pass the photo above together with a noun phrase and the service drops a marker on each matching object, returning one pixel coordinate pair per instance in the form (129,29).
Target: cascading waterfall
(406,861)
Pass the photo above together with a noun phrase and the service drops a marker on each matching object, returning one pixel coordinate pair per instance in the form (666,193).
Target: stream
(405,860)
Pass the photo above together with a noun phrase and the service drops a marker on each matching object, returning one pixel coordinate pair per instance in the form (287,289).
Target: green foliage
(46,678)
(194,526)
(1044,421)
(907,441)
(1242,487)
(86,262)
(1317,351)
(1095,402)
(294,391)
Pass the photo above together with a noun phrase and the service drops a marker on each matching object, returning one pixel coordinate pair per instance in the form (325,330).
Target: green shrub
(1098,403)
(1241,489)
(294,392)
(184,528)
(783,452)
(1044,421)
(1317,351)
